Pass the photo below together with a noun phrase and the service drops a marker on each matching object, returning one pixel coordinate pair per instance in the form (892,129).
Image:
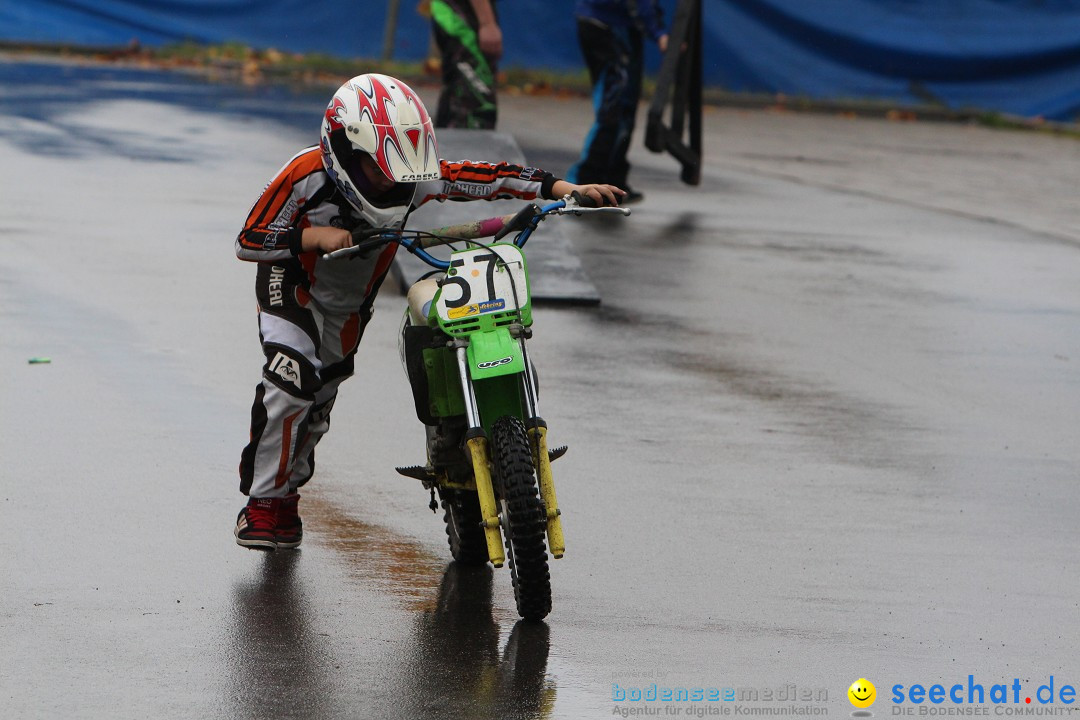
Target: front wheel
(523,516)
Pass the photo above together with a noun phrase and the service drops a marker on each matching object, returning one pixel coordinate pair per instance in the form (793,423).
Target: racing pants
(467,99)
(309,352)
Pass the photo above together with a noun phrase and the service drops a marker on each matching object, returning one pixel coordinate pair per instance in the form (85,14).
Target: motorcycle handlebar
(491,227)
(496,227)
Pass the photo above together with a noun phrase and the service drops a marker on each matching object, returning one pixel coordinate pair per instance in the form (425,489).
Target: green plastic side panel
(494,353)
(444,385)
(495,396)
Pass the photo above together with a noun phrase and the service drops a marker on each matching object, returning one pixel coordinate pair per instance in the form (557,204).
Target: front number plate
(482,281)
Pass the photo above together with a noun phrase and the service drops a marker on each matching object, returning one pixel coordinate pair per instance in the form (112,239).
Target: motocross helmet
(382,118)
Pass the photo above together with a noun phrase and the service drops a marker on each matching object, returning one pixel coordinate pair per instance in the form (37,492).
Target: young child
(376,161)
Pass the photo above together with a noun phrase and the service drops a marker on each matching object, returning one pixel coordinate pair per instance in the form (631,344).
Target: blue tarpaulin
(1015,56)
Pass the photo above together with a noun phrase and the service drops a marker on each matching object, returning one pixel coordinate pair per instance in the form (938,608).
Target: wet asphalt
(822,427)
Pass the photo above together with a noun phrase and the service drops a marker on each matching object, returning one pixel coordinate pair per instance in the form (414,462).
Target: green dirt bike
(475,390)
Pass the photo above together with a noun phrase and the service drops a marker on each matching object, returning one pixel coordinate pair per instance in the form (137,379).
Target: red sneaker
(290,530)
(256,525)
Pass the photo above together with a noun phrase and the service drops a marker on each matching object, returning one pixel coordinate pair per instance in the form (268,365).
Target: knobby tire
(525,520)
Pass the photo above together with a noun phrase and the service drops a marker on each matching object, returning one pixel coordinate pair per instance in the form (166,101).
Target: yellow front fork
(556,543)
(478,453)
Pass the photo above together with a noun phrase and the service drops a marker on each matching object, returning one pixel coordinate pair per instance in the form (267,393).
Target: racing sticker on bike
(484,280)
(494,363)
(286,368)
(476,309)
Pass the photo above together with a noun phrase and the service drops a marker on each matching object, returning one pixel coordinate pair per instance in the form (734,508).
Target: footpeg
(553,454)
(419,472)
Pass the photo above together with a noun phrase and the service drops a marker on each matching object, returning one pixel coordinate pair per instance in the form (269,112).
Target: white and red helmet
(383,118)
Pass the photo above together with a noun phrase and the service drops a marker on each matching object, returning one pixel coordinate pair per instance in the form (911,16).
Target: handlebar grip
(370,244)
(361,246)
(519,221)
(583,200)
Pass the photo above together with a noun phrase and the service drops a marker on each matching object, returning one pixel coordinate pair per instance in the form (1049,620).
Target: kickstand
(433,505)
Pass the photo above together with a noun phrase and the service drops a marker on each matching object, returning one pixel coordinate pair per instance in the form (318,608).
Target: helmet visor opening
(399,194)
(351,161)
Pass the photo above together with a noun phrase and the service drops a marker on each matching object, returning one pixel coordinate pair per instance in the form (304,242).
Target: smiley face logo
(862,693)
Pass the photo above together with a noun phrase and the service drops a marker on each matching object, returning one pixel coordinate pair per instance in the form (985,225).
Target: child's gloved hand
(325,239)
(603,194)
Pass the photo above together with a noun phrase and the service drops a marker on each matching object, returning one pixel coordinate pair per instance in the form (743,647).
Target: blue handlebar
(412,242)
(410,245)
(523,236)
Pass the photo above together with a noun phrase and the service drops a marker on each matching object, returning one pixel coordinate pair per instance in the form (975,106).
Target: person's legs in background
(467,99)
(614,59)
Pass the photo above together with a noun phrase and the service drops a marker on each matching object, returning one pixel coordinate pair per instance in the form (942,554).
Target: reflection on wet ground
(44,103)
(455,667)
(457,661)
(375,555)
(278,663)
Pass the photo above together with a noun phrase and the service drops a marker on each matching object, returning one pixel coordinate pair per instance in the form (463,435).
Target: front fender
(494,353)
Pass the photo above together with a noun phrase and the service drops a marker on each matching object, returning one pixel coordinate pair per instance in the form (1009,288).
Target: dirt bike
(475,389)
